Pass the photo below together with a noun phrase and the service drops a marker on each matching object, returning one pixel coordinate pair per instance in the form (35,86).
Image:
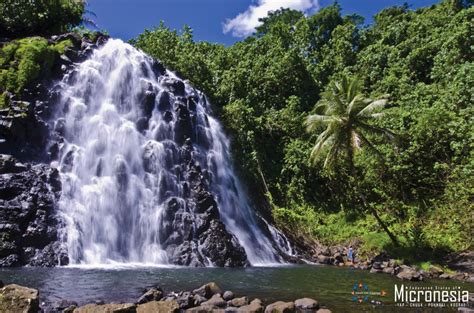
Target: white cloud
(245,23)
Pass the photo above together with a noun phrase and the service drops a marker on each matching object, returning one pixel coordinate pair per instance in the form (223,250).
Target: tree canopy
(264,86)
(19,18)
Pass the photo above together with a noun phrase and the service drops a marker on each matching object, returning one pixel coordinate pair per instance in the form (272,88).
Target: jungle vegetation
(411,162)
(345,132)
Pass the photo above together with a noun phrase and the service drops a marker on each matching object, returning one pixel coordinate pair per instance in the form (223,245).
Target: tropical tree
(346,115)
(21,18)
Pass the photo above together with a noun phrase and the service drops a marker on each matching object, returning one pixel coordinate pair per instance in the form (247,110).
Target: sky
(220,21)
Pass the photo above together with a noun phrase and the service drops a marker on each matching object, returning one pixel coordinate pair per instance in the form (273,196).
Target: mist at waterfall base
(135,139)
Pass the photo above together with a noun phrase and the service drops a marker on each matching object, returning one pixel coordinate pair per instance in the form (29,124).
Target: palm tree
(345,114)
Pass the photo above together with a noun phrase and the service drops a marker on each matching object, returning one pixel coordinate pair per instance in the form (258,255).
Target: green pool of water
(331,286)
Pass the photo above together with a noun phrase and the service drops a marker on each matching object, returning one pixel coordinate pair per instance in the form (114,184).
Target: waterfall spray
(134,138)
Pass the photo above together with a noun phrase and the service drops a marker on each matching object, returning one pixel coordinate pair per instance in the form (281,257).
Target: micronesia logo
(431,296)
(362,294)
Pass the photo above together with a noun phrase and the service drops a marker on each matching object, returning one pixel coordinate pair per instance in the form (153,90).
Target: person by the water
(350,255)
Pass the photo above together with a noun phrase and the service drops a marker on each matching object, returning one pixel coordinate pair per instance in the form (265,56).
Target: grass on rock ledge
(25,60)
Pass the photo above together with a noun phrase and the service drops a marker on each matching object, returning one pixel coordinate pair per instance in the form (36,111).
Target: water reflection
(331,286)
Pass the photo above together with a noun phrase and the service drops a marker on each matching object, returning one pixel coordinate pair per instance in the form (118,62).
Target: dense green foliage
(264,87)
(344,124)
(25,60)
(20,18)
(345,116)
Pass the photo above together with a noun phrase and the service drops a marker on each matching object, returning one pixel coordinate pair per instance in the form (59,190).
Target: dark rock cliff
(30,224)
(29,187)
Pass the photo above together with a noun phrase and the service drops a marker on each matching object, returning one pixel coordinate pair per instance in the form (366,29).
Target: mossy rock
(25,60)
(19,299)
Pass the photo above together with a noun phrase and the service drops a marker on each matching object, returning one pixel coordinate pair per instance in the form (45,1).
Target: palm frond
(354,88)
(370,145)
(373,106)
(321,107)
(323,140)
(346,114)
(313,121)
(355,105)
(377,130)
(377,115)
(331,156)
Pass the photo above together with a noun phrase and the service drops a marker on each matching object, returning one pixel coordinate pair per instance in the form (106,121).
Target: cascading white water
(119,170)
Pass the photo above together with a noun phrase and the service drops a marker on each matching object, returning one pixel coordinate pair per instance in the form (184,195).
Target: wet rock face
(24,131)
(191,231)
(30,189)
(28,223)
(195,235)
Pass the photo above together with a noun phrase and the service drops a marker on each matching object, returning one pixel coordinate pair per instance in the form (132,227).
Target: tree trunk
(364,203)
(382,224)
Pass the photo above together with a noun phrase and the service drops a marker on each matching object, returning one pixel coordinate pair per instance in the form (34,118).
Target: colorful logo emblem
(361,293)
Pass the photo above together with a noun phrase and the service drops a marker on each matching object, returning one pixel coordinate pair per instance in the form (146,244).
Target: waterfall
(141,160)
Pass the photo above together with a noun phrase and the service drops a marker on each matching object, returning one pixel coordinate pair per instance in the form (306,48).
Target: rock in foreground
(19,299)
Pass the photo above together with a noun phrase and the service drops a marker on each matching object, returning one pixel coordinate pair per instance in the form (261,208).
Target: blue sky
(222,21)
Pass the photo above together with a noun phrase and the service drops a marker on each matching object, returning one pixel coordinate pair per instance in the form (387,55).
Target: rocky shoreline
(461,265)
(207,298)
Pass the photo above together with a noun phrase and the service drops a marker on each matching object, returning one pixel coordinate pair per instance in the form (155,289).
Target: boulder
(459,276)
(228,295)
(164,101)
(280,307)
(185,300)
(435,271)
(148,102)
(168,116)
(323,259)
(221,247)
(238,302)
(409,274)
(107,308)
(158,307)
(376,270)
(338,258)
(18,299)
(323,311)
(207,290)
(173,85)
(306,304)
(215,301)
(377,265)
(62,305)
(153,294)
(445,276)
(204,309)
(254,307)
(198,299)
(142,124)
